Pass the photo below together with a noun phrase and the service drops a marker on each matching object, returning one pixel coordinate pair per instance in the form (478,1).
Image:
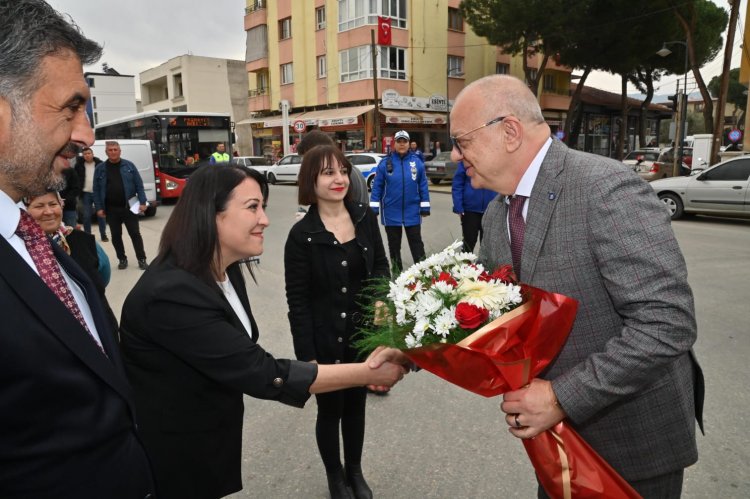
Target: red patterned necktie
(40,250)
(517,227)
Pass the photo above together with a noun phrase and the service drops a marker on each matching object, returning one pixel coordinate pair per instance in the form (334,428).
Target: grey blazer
(627,377)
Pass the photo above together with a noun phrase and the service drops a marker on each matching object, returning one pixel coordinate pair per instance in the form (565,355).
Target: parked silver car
(719,190)
(286,170)
(441,167)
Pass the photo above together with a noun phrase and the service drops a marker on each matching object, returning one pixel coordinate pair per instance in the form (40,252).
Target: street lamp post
(448,74)
(664,52)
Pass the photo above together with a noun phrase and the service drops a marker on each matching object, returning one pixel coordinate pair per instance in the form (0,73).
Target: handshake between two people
(391,364)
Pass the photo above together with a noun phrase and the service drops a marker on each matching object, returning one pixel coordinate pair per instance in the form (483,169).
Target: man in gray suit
(589,228)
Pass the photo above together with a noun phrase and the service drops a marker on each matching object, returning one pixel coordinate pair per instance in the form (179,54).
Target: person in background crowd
(85,166)
(436,149)
(68,424)
(588,227)
(343,235)
(401,196)
(118,188)
(189,161)
(47,211)
(220,155)
(190,342)
(469,204)
(414,149)
(70,197)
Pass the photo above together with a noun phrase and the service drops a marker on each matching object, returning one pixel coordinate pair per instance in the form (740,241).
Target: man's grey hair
(511,95)
(29,31)
(108,143)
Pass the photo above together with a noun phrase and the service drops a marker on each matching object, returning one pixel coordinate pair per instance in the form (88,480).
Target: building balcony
(554,101)
(258,99)
(257,65)
(256,14)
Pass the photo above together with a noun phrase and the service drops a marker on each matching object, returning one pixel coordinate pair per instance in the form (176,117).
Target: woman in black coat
(190,342)
(329,257)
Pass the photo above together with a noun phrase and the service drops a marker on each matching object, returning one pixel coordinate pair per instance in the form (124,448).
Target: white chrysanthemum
(445,321)
(420,328)
(427,304)
(443,287)
(411,341)
(467,271)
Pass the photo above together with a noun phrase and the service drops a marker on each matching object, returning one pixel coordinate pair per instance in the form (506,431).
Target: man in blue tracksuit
(400,194)
(469,204)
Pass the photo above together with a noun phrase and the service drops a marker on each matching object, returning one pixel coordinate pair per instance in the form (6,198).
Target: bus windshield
(177,135)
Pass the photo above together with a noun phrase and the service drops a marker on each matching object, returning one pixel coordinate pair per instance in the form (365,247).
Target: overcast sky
(140,34)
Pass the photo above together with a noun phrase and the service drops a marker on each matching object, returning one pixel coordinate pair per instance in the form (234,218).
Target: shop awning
(336,117)
(413,117)
(324,117)
(271,121)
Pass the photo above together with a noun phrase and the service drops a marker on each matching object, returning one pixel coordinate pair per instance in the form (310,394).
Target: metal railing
(256,5)
(257,91)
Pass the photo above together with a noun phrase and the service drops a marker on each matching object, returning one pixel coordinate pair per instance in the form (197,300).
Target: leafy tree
(521,27)
(736,94)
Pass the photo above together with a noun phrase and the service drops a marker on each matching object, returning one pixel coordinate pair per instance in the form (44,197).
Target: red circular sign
(299,126)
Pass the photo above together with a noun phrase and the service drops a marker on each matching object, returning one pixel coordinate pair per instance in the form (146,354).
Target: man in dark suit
(67,419)
(588,227)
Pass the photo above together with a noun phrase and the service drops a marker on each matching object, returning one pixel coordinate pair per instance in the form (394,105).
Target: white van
(141,154)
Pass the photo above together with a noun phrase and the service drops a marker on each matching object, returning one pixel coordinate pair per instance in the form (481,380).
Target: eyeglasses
(454,140)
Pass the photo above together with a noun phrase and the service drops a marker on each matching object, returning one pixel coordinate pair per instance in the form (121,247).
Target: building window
(356,63)
(532,75)
(177,82)
(392,63)
(180,109)
(90,82)
(698,107)
(261,81)
(320,18)
(287,74)
(502,69)
(354,13)
(455,65)
(455,21)
(285,28)
(322,70)
(549,82)
(96,118)
(93,101)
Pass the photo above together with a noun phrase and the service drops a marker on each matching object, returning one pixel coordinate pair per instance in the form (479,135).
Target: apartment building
(317,55)
(112,96)
(191,83)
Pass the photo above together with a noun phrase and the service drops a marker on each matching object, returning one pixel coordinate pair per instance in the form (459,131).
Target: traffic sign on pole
(299,126)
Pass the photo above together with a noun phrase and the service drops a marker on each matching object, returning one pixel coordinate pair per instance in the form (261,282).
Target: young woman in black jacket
(329,257)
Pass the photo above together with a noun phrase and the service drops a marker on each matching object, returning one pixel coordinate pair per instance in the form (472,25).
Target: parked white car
(285,170)
(720,190)
(366,163)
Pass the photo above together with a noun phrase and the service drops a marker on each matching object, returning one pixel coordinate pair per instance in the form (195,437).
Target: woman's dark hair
(190,235)
(313,163)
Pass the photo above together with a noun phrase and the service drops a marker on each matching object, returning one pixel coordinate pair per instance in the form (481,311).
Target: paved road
(428,439)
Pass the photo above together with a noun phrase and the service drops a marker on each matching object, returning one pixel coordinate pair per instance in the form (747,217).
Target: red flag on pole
(384,30)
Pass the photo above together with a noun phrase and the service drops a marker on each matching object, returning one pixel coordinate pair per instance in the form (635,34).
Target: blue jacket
(465,197)
(131,181)
(400,195)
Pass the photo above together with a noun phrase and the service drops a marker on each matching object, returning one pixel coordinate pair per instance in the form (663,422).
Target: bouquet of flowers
(487,333)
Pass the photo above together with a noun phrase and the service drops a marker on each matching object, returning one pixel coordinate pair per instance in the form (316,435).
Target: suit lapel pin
(551,196)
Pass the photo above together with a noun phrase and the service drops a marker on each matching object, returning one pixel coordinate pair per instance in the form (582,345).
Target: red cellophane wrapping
(505,355)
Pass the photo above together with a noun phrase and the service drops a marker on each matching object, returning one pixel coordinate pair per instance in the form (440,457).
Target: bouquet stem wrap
(505,355)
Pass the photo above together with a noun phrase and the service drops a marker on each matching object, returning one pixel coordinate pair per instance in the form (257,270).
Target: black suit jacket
(190,360)
(67,423)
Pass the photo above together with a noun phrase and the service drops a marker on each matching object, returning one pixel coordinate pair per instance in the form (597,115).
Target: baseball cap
(401,134)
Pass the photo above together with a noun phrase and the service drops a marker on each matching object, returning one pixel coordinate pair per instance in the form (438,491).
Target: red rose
(446,277)
(484,277)
(505,274)
(470,316)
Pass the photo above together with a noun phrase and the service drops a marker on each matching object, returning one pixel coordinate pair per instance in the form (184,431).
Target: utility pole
(376,121)
(724,85)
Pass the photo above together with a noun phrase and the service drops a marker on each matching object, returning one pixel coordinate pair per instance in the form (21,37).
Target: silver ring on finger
(515,420)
